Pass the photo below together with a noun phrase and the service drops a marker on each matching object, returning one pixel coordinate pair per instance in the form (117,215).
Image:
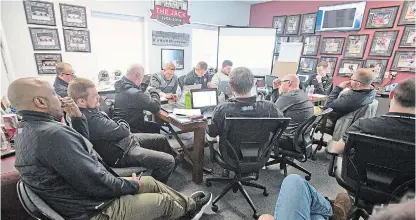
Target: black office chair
(322,129)
(245,146)
(107,106)
(34,205)
(300,147)
(375,170)
(181,81)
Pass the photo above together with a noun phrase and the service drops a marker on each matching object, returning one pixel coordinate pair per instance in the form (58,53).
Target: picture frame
(383,17)
(279,23)
(308,23)
(77,40)
(292,24)
(307,65)
(46,62)
(280,40)
(295,39)
(175,56)
(73,15)
(404,61)
(39,12)
(383,43)
(355,46)
(408,37)
(347,67)
(45,38)
(311,45)
(332,63)
(379,67)
(408,14)
(332,45)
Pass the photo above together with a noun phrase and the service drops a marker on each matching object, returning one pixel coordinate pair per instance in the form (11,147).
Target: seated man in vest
(398,123)
(131,101)
(294,103)
(359,94)
(321,82)
(223,74)
(64,75)
(62,168)
(113,141)
(165,82)
(197,76)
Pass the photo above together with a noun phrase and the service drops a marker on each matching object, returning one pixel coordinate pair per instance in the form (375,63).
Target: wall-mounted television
(345,17)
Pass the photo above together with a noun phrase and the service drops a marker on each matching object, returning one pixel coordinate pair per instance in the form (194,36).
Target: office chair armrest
(333,158)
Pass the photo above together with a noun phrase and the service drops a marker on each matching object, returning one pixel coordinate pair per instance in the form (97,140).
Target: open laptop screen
(202,98)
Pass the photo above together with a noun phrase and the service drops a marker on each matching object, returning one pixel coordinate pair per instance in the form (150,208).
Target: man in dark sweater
(131,101)
(64,75)
(198,75)
(113,141)
(61,167)
(321,82)
(359,94)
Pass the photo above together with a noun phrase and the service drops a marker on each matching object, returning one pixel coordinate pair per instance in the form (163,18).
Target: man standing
(113,140)
(165,82)
(222,75)
(320,81)
(131,101)
(61,167)
(64,75)
(198,75)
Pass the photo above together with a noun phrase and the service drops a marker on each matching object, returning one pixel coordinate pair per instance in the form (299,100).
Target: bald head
(289,83)
(135,73)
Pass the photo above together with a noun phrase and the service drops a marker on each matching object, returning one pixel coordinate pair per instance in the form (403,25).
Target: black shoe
(202,201)
(225,173)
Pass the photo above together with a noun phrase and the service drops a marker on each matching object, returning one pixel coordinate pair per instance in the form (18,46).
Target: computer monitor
(269,80)
(225,88)
(203,98)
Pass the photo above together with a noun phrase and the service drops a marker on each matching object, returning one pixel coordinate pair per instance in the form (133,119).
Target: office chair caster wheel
(265,193)
(208,184)
(313,157)
(307,178)
(214,208)
(235,189)
(256,216)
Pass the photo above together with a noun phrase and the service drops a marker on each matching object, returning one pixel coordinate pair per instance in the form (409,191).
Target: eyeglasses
(351,79)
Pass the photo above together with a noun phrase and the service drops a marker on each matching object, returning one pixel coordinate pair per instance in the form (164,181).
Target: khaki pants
(154,201)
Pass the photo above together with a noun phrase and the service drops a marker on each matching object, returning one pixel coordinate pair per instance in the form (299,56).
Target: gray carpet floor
(233,206)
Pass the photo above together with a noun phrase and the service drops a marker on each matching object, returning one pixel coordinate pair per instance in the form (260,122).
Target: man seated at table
(398,123)
(294,103)
(223,74)
(165,82)
(113,141)
(321,82)
(131,101)
(360,93)
(64,75)
(199,75)
(62,168)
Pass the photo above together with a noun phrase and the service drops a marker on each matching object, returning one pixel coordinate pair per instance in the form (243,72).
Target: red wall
(261,15)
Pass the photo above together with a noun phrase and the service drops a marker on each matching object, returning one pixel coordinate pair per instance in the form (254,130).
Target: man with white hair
(131,101)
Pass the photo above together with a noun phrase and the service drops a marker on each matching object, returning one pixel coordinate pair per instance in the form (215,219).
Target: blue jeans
(298,200)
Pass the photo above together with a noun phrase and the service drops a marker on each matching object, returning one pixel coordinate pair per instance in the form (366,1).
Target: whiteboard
(247,47)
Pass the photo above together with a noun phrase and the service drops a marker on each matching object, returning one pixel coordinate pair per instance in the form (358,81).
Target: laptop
(204,99)
(224,87)
(268,79)
(181,99)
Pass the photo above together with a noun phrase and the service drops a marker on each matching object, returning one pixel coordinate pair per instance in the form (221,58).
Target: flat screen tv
(345,17)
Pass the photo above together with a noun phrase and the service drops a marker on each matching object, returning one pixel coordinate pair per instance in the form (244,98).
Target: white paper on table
(318,95)
(290,52)
(187,112)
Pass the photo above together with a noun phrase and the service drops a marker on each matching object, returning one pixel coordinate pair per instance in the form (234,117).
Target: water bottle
(188,101)
(307,90)
(221,98)
(310,91)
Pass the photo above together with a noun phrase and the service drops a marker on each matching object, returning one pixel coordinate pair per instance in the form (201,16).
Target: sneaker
(202,201)
(341,206)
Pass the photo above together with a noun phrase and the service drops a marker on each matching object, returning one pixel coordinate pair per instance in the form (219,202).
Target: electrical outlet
(386,75)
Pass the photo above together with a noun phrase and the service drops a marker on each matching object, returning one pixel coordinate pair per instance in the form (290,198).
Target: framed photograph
(73,16)
(404,61)
(408,37)
(311,44)
(332,45)
(308,23)
(77,40)
(174,56)
(383,43)
(45,38)
(46,62)
(279,40)
(408,14)
(292,24)
(307,65)
(332,63)
(348,67)
(379,67)
(38,12)
(279,24)
(295,39)
(381,17)
(356,45)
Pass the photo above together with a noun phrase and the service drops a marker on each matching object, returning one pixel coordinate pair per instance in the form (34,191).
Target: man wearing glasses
(64,75)
(198,75)
(360,93)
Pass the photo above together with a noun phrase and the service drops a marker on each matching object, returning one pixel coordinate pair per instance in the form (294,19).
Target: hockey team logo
(171,12)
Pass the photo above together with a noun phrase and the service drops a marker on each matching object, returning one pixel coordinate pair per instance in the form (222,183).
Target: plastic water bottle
(310,91)
(221,98)
(188,101)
